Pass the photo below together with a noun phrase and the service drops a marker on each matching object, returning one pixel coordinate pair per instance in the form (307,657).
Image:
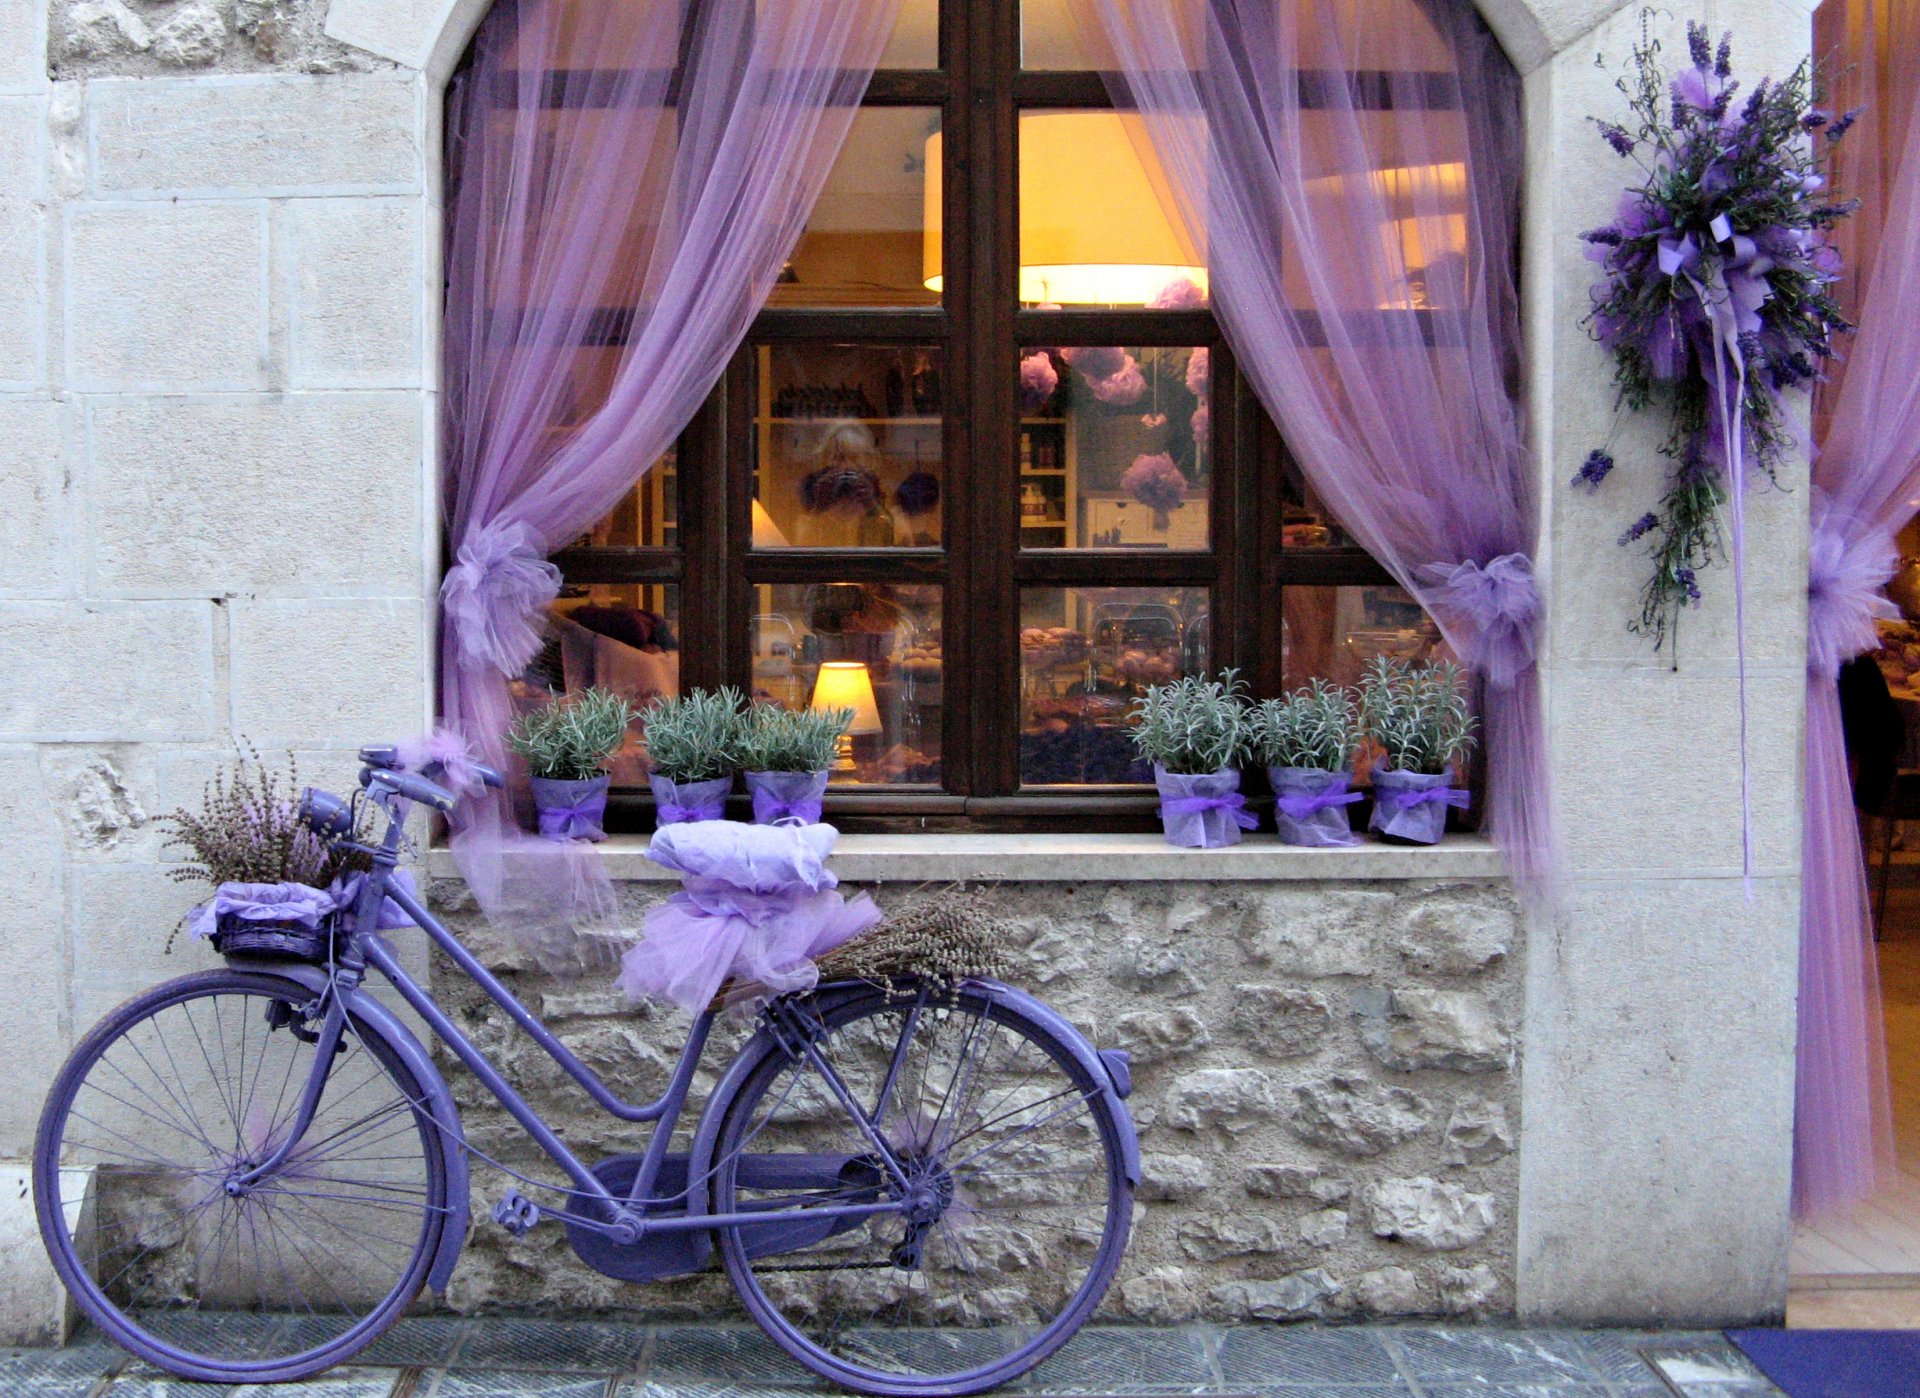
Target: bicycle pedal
(516,1213)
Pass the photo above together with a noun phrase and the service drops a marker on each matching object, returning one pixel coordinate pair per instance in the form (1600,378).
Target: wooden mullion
(1087,91)
(846,565)
(907,325)
(619,565)
(737,602)
(1335,567)
(906,87)
(1116,568)
(1227,643)
(1119,327)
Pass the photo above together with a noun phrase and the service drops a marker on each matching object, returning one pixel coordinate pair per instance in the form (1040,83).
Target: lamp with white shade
(847,684)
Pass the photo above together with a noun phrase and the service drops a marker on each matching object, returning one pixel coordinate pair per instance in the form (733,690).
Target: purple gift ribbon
(769,809)
(673,813)
(1300,807)
(1192,805)
(1396,801)
(577,821)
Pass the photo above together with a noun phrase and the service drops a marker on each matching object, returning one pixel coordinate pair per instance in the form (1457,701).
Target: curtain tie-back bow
(494,594)
(1846,571)
(1233,802)
(1494,607)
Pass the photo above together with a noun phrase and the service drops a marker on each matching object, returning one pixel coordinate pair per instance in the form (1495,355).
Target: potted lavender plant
(787,754)
(568,743)
(1307,740)
(1419,717)
(693,744)
(1194,731)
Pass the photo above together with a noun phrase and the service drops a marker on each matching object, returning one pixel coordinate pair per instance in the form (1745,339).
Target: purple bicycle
(247,1174)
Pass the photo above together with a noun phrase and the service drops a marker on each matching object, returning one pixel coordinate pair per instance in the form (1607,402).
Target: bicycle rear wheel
(154,1117)
(1013,1215)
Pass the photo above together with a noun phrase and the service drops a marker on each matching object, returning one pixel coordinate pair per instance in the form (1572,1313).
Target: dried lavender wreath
(1715,295)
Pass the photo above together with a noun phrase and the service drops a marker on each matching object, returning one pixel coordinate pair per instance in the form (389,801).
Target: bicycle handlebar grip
(325,814)
(489,775)
(416,788)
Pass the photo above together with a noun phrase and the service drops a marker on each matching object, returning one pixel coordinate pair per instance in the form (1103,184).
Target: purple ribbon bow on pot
(1312,803)
(673,813)
(580,821)
(1193,805)
(1395,800)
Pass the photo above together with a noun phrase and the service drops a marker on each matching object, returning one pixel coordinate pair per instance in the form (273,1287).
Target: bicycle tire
(223,1342)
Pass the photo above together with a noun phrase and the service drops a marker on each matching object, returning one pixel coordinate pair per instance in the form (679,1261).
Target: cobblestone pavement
(431,1357)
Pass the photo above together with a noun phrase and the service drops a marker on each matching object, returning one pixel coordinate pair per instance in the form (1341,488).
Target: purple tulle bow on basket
(495,595)
(1492,612)
(293,904)
(756,905)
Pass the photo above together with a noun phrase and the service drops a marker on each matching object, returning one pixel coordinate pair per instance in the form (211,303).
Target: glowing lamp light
(1094,229)
(1425,223)
(766,534)
(846,684)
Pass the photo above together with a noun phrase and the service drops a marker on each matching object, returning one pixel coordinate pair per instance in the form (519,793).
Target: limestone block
(1473,1290)
(105,797)
(1477,1132)
(1174,1178)
(1154,965)
(1153,1036)
(1233,1099)
(1282,1020)
(1387,1291)
(402,30)
(1323,1227)
(35,498)
(192,36)
(1418,1027)
(33,1022)
(1306,931)
(1448,933)
(167,296)
(23,57)
(1349,1112)
(1429,1213)
(1294,1182)
(123,916)
(1233,1235)
(1163,1296)
(357,293)
(23,242)
(303,494)
(1295,1297)
(342,133)
(106,673)
(337,672)
(34,1309)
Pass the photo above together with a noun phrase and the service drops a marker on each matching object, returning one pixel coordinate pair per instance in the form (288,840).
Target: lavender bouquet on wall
(1715,295)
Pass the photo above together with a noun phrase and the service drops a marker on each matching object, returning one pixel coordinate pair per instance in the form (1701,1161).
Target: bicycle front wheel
(1000,1240)
(148,1129)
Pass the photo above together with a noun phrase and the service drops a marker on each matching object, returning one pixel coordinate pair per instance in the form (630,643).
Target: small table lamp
(845,684)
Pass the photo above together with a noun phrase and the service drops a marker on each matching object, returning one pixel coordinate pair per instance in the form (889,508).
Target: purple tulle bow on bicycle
(757,904)
(292,904)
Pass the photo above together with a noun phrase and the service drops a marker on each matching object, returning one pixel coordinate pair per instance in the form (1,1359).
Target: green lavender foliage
(574,736)
(778,739)
(1194,725)
(697,736)
(1417,713)
(1316,726)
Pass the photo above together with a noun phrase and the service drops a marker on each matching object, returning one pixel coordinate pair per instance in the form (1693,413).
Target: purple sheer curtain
(1356,172)
(624,182)
(1866,474)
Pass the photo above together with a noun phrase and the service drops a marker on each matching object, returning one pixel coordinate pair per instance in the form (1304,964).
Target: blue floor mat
(1836,1363)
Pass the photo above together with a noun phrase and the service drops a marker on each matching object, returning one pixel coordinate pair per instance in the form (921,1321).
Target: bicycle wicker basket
(276,941)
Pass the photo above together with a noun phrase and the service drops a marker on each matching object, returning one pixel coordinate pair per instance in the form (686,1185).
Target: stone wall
(1326,1083)
(102,38)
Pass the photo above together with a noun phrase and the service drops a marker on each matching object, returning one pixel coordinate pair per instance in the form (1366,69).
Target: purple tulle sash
(756,905)
(1300,807)
(495,596)
(1494,611)
(1848,563)
(685,803)
(1394,801)
(294,904)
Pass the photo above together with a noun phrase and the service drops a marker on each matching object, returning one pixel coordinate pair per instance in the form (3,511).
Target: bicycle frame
(625,1220)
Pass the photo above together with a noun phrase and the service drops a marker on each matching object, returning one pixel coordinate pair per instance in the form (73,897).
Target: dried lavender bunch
(944,938)
(777,739)
(1194,725)
(697,736)
(1417,713)
(573,737)
(1316,726)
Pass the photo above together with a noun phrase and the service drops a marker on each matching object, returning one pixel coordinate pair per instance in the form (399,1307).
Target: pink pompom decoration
(1180,294)
(1096,361)
(1202,423)
(1038,380)
(1200,372)
(1123,389)
(1155,482)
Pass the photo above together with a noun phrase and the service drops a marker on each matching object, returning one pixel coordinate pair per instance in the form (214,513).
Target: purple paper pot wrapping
(787,798)
(677,803)
(1310,806)
(570,810)
(1412,806)
(1202,811)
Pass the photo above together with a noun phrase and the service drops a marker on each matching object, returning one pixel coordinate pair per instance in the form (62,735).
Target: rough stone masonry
(1326,1084)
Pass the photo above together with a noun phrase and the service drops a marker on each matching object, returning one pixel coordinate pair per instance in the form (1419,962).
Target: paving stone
(336,1383)
(1255,1358)
(1516,1390)
(720,1354)
(552,1346)
(426,1340)
(1103,1359)
(1491,1356)
(514,1383)
(55,1373)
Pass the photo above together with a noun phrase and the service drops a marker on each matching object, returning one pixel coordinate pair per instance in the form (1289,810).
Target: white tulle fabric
(757,904)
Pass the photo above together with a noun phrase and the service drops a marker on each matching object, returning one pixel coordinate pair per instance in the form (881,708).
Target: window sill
(1095,858)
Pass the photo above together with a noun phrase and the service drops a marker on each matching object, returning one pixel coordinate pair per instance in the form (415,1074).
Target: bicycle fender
(439,1104)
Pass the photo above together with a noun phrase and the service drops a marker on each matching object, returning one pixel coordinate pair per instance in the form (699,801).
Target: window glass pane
(621,637)
(1049,38)
(847,446)
(1332,632)
(1306,521)
(873,238)
(915,41)
(871,647)
(648,516)
(1115,447)
(1086,653)
(1097,226)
